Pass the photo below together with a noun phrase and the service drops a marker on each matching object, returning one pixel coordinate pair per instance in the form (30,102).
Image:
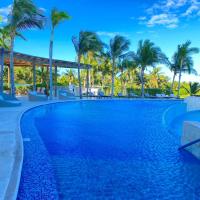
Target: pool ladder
(189,144)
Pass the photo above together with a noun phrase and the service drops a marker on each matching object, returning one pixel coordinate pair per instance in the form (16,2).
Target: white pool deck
(11,147)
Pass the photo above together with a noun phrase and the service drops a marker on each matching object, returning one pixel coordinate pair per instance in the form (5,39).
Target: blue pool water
(105,150)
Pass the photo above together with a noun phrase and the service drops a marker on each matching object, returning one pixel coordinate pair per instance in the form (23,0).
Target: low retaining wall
(191,133)
(193,103)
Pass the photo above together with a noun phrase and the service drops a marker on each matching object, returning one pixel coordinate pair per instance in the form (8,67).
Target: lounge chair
(101,94)
(172,96)
(35,96)
(8,97)
(147,95)
(158,95)
(132,95)
(91,94)
(65,95)
(120,94)
(8,103)
(161,96)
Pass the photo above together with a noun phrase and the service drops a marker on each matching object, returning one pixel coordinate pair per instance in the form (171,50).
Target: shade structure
(25,60)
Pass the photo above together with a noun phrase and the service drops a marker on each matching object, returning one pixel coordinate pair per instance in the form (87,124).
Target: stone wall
(191,132)
(193,103)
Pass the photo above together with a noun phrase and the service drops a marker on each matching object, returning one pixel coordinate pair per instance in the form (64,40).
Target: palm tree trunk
(2,70)
(179,81)
(172,86)
(50,65)
(142,82)
(79,76)
(12,76)
(122,85)
(113,78)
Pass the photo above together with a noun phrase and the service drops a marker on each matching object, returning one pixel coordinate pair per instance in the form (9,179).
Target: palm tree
(5,37)
(70,76)
(174,67)
(86,42)
(155,78)
(184,56)
(56,18)
(4,44)
(126,63)
(24,15)
(118,46)
(193,89)
(148,55)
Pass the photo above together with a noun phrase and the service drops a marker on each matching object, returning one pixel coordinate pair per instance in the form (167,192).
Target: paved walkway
(11,147)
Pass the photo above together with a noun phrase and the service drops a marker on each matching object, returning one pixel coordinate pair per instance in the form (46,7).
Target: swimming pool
(105,150)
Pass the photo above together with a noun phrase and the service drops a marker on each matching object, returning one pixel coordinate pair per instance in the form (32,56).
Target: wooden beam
(27,60)
(87,82)
(34,77)
(55,81)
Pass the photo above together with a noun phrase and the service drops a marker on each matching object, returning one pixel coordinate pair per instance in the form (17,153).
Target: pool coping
(11,190)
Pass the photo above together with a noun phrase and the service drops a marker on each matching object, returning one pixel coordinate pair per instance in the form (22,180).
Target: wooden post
(55,80)
(88,81)
(9,76)
(1,69)
(34,77)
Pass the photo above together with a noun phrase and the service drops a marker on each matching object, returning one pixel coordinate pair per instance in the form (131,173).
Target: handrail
(189,144)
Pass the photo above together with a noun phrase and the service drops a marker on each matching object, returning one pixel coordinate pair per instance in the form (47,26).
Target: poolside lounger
(147,95)
(101,94)
(132,95)
(8,103)
(172,96)
(120,94)
(8,97)
(35,96)
(158,95)
(91,94)
(66,95)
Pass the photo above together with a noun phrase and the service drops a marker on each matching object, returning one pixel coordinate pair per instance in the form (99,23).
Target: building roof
(25,60)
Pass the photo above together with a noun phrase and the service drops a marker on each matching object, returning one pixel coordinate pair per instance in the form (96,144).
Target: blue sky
(165,22)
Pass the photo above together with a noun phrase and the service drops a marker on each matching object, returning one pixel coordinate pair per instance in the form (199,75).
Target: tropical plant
(5,38)
(118,46)
(126,64)
(175,68)
(56,18)
(71,77)
(192,89)
(148,55)
(24,15)
(86,42)
(184,56)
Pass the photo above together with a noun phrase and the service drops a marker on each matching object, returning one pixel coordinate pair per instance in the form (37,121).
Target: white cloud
(111,34)
(140,32)
(169,13)
(4,12)
(142,18)
(168,20)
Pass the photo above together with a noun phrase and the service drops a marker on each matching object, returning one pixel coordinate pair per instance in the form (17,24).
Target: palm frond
(58,16)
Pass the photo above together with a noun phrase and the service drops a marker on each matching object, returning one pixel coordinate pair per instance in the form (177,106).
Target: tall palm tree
(175,68)
(148,55)
(24,15)
(118,46)
(126,63)
(86,42)
(56,18)
(184,55)
(70,76)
